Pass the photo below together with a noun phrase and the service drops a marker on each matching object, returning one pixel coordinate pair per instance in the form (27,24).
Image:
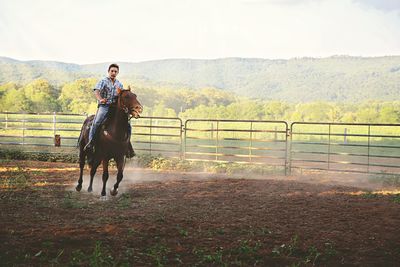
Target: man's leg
(98,120)
(130,153)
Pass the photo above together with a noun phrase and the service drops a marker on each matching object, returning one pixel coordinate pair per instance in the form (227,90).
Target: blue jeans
(100,117)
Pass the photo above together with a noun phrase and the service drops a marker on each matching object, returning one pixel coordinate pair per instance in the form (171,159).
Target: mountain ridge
(335,78)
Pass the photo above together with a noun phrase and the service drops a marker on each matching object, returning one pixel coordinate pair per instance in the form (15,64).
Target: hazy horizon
(210,59)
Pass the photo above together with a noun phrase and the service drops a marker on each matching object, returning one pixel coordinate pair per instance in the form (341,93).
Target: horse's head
(129,103)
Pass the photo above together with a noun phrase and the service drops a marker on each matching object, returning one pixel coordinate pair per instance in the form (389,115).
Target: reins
(123,107)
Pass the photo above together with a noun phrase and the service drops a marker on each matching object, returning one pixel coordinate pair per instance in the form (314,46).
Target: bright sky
(93,31)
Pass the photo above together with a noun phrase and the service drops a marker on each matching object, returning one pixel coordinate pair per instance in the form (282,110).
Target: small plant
(312,255)
(329,250)
(220,231)
(10,154)
(131,231)
(247,250)
(124,201)
(369,195)
(207,258)
(183,232)
(287,249)
(71,203)
(145,160)
(77,258)
(19,179)
(100,256)
(55,259)
(158,253)
(396,198)
(161,218)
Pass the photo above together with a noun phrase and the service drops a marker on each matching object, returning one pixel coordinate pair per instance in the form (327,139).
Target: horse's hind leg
(120,175)
(105,177)
(82,156)
(93,170)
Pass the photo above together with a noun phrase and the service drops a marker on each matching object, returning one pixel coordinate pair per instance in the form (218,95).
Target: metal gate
(349,147)
(158,135)
(40,129)
(240,141)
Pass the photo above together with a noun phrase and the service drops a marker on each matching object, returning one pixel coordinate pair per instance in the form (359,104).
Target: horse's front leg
(120,166)
(93,169)
(105,177)
(82,156)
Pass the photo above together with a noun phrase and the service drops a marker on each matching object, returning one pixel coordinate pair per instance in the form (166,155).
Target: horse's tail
(80,138)
(80,135)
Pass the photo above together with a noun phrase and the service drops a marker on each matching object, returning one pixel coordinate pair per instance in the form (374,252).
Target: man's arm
(98,97)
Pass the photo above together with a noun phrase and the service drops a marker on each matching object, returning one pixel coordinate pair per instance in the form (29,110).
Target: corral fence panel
(350,147)
(158,135)
(240,141)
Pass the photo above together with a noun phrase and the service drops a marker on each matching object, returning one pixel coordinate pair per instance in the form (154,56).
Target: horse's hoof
(90,189)
(78,187)
(103,198)
(114,192)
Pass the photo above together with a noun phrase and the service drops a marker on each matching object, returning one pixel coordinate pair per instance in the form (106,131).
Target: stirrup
(89,147)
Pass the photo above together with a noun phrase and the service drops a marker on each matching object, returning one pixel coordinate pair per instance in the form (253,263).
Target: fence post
(23,129)
(151,126)
(329,147)
(54,123)
(183,139)
(289,133)
(345,136)
(216,143)
(369,143)
(6,120)
(251,141)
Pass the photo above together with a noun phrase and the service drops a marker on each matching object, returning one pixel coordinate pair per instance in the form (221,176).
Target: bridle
(120,104)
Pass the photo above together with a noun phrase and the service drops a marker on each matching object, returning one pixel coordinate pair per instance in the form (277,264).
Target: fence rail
(349,147)
(241,141)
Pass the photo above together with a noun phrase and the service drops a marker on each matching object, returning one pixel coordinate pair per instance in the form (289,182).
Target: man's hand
(99,98)
(119,90)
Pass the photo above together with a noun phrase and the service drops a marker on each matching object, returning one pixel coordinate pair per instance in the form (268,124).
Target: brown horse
(111,142)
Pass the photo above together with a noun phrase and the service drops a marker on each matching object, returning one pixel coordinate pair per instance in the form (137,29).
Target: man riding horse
(113,140)
(106,92)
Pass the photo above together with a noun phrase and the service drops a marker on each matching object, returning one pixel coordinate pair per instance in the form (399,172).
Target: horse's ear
(119,90)
(129,88)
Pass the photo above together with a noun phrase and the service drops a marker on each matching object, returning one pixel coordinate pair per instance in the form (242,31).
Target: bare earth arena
(194,219)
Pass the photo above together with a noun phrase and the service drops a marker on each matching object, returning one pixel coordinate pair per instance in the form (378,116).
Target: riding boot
(130,153)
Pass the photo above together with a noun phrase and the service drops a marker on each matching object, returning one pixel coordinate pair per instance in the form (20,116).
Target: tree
(389,113)
(368,112)
(42,95)
(160,110)
(6,87)
(275,110)
(15,101)
(78,96)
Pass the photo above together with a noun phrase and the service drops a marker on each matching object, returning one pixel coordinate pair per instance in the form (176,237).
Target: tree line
(209,103)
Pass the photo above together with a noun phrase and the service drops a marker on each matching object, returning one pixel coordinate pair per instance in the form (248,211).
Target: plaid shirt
(108,90)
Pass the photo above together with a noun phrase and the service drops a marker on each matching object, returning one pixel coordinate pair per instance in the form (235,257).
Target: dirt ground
(194,219)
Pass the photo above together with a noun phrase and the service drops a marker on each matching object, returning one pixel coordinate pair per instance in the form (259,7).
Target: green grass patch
(71,202)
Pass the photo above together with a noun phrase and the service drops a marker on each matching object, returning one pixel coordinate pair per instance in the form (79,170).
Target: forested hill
(339,78)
